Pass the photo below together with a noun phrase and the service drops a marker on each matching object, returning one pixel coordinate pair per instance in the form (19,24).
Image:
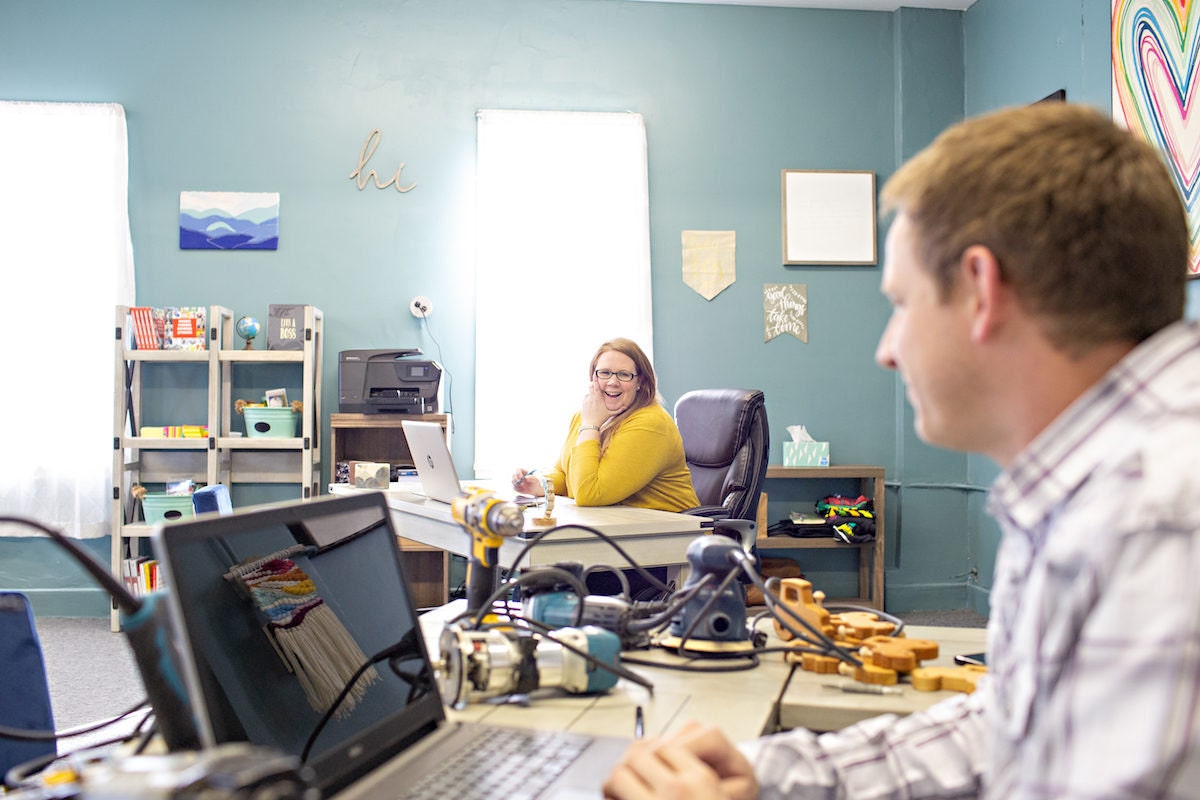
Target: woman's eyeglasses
(623,376)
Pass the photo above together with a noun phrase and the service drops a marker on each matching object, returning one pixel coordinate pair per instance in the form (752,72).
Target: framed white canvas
(828,217)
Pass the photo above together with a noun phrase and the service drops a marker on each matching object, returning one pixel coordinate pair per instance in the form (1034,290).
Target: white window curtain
(562,265)
(67,261)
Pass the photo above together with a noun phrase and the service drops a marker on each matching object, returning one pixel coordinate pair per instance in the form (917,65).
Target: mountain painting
(229,220)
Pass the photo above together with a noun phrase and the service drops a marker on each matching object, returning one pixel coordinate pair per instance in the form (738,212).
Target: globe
(247,328)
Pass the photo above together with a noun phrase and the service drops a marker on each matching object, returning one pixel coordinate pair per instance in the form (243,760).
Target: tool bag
(850,520)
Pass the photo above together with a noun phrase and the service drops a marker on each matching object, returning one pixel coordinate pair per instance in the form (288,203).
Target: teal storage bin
(163,507)
(269,422)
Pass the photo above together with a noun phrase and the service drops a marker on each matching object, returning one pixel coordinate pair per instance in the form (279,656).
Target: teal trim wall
(280,95)
(1018,51)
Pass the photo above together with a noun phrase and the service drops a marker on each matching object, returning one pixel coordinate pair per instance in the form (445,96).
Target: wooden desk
(743,704)
(808,704)
(678,698)
(652,538)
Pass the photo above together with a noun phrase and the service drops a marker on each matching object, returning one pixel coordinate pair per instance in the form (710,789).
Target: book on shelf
(148,576)
(285,327)
(140,575)
(145,333)
(160,325)
(128,576)
(185,328)
(169,328)
(174,431)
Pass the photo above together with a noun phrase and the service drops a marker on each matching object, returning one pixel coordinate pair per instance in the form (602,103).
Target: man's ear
(985,292)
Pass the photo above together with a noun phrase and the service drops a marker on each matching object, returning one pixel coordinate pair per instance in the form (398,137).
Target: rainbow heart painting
(1154,58)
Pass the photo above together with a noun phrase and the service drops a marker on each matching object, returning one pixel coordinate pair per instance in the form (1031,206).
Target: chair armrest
(712,512)
(744,530)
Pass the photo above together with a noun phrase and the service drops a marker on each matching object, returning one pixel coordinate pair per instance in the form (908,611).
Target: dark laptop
(343,552)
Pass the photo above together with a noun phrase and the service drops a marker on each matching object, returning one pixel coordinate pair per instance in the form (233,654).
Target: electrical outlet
(420,306)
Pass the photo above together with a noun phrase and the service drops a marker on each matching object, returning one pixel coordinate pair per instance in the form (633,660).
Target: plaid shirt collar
(1091,430)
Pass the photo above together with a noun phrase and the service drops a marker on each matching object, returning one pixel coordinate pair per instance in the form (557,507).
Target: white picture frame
(829,217)
(276,398)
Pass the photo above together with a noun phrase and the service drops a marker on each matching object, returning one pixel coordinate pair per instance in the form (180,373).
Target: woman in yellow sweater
(622,447)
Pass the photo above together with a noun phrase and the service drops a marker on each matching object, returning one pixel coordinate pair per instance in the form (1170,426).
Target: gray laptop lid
(239,681)
(431,458)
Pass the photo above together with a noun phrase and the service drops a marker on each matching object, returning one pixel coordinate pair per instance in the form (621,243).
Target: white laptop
(431,458)
(396,733)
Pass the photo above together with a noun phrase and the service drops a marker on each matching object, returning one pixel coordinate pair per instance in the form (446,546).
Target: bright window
(563,264)
(68,262)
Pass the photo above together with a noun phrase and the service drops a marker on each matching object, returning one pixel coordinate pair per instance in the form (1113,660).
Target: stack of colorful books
(169,328)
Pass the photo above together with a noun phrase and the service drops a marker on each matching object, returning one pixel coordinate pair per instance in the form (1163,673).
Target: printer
(387,382)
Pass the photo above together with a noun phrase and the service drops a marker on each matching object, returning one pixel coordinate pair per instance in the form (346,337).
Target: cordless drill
(489,520)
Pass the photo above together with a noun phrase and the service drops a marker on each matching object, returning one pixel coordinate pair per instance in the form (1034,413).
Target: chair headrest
(715,423)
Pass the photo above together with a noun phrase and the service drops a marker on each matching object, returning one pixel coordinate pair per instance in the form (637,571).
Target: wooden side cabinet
(380,438)
(870,554)
(376,437)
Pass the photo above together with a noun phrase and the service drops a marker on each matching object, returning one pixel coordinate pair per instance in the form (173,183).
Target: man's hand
(696,762)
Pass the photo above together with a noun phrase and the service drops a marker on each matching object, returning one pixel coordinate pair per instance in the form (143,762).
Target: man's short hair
(1084,218)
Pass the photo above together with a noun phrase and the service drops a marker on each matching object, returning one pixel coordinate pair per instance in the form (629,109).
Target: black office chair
(725,442)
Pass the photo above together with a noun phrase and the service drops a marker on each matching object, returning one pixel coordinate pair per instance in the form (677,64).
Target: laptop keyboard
(513,764)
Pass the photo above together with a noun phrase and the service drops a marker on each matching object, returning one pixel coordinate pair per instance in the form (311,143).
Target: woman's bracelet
(583,428)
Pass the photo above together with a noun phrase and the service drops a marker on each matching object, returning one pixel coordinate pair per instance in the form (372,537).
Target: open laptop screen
(270,685)
(431,457)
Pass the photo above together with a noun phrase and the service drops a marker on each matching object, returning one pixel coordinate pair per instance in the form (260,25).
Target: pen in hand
(518,481)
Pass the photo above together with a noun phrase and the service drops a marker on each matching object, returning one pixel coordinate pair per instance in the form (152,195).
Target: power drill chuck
(482,512)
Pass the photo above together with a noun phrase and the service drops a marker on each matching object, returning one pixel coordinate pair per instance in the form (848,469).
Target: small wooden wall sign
(361,178)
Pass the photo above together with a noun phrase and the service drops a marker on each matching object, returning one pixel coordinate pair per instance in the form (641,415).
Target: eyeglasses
(622,375)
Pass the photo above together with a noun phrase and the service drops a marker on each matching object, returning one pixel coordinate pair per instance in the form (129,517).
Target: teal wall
(279,95)
(927,528)
(1018,51)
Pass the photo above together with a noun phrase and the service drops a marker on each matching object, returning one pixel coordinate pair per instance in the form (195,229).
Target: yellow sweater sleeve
(643,466)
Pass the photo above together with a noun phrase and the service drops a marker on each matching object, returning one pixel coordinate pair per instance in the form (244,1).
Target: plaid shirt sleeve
(934,753)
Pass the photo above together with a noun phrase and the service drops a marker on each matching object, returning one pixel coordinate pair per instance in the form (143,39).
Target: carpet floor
(92,676)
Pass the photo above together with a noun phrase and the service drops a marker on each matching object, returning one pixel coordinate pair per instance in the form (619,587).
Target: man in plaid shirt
(1036,271)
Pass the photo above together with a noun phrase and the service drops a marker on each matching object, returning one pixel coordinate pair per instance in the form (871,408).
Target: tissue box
(369,474)
(806,454)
